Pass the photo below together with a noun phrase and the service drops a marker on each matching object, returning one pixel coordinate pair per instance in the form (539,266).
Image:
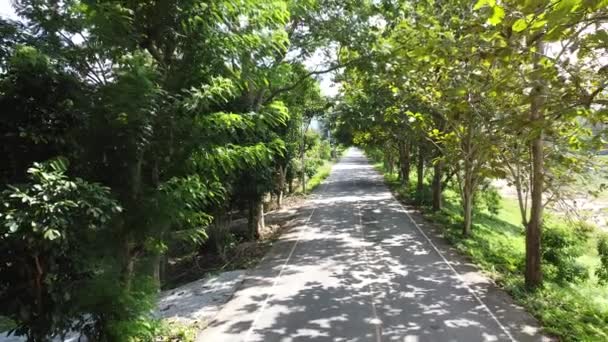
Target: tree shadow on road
(361,270)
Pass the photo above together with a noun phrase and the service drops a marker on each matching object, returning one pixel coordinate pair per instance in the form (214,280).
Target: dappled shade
(355,268)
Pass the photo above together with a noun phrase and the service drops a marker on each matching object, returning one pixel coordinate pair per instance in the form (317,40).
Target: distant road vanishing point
(359,268)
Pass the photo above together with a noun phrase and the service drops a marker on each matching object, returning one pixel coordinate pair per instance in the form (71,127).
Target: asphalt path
(358,266)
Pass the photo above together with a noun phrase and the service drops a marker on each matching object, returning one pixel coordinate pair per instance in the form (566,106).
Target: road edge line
(278,277)
(445,260)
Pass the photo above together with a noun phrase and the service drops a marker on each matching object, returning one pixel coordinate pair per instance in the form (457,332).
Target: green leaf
(59,164)
(484,3)
(13,227)
(519,25)
(498,14)
(51,234)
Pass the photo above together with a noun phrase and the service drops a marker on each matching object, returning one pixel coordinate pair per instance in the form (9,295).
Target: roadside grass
(322,172)
(174,332)
(6,324)
(574,312)
(165,330)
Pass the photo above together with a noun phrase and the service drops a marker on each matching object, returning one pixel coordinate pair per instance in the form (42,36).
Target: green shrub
(174,331)
(6,324)
(322,173)
(118,313)
(48,230)
(602,250)
(325,150)
(374,153)
(489,199)
(311,166)
(561,247)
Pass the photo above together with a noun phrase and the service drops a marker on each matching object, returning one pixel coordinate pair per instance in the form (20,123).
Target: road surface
(358,268)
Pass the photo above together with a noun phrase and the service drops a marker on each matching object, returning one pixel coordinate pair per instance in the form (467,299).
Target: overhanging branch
(305,77)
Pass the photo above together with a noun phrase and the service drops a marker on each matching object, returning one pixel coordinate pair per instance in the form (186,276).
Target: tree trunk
(388,162)
(468,210)
(218,232)
(281,186)
(128,266)
(404,163)
(157,270)
(256,218)
(468,189)
(303,174)
(437,188)
(158,259)
(280,199)
(420,175)
(290,185)
(533,272)
(134,196)
(162,272)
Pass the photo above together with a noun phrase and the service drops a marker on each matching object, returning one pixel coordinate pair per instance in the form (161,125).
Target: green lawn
(573,312)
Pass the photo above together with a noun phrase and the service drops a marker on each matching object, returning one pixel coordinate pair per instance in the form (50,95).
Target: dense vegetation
(460,94)
(132,131)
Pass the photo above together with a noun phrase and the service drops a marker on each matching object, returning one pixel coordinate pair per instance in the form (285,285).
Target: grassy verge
(174,332)
(322,172)
(6,324)
(574,312)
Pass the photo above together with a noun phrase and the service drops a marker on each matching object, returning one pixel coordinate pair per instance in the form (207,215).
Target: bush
(175,331)
(488,198)
(561,247)
(374,153)
(602,270)
(115,312)
(312,165)
(325,150)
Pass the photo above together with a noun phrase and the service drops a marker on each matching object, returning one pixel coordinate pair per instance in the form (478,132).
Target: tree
(49,230)
(558,95)
(161,89)
(516,80)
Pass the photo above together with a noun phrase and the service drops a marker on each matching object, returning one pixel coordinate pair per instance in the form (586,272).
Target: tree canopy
(130,127)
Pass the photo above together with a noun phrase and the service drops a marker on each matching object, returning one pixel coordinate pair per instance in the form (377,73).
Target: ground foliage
(172,116)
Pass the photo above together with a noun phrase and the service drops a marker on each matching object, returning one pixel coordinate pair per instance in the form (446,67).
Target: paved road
(357,267)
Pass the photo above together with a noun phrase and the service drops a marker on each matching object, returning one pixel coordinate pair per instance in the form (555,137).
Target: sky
(317,62)
(328,87)
(6,9)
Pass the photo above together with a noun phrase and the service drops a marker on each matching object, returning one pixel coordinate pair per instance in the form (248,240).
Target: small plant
(602,270)
(562,245)
(175,332)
